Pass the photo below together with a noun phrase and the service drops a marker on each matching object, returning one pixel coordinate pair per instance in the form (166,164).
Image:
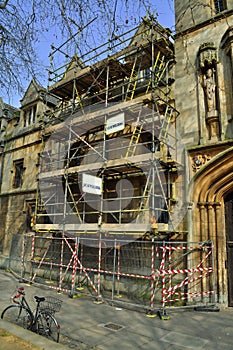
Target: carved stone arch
(225,190)
(227,40)
(219,166)
(210,185)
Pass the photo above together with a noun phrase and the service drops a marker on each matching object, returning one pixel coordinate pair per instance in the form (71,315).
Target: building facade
(203,95)
(21,146)
(154,116)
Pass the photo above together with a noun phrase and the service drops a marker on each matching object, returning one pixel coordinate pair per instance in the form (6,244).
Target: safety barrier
(151,274)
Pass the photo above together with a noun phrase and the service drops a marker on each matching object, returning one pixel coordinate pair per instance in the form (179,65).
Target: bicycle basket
(51,304)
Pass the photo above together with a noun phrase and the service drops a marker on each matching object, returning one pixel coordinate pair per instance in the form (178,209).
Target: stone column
(203,223)
(221,255)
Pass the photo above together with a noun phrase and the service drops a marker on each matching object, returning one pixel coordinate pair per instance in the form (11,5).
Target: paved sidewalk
(86,325)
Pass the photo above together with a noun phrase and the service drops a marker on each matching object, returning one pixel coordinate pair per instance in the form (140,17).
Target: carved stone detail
(199,160)
(207,62)
(207,55)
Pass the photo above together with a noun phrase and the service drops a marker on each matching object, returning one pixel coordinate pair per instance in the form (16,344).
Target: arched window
(227,62)
(29,116)
(220,5)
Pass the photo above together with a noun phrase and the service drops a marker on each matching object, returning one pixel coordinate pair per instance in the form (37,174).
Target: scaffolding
(109,162)
(148,274)
(111,191)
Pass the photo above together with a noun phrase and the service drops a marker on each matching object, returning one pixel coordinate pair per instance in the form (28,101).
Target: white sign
(115,124)
(92,184)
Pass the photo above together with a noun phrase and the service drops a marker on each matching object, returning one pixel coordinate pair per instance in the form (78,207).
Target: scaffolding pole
(132,83)
(165,274)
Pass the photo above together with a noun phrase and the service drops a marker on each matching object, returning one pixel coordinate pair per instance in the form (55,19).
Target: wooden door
(229,240)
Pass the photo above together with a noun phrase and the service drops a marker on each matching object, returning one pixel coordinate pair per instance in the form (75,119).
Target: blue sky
(162,8)
(166,13)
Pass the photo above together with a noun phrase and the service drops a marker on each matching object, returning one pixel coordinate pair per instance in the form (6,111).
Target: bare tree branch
(3,6)
(24,25)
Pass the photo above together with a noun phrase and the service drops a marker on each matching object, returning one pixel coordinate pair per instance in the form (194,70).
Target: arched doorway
(212,197)
(228,200)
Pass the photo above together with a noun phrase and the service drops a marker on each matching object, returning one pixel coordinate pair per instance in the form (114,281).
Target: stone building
(203,95)
(21,146)
(185,83)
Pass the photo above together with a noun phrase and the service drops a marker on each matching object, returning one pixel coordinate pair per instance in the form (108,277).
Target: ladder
(144,204)
(133,79)
(78,98)
(165,123)
(74,203)
(145,197)
(135,135)
(163,132)
(159,69)
(147,191)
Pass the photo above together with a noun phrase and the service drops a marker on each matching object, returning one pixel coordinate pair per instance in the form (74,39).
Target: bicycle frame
(42,321)
(23,302)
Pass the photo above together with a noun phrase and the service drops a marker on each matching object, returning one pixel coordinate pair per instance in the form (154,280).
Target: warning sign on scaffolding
(115,123)
(92,184)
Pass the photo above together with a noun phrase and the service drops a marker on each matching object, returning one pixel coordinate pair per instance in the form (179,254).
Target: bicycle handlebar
(20,292)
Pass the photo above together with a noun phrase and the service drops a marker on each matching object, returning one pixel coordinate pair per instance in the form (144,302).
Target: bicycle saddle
(38,299)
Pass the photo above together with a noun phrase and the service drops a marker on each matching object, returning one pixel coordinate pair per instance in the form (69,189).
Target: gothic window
(227,64)
(18,173)
(29,116)
(220,5)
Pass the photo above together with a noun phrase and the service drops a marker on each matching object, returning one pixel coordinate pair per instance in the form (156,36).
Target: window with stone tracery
(220,5)
(227,64)
(29,116)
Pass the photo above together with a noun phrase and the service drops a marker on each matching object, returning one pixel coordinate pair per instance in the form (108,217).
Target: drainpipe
(2,162)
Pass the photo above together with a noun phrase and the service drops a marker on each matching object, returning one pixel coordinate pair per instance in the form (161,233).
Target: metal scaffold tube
(106,174)
(165,278)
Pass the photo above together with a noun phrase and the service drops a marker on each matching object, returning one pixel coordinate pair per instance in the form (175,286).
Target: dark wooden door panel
(230,273)
(229,238)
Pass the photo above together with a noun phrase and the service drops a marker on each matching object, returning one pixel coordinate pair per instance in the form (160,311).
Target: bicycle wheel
(17,314)
(47,326)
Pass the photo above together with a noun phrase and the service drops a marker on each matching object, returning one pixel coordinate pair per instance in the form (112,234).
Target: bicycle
(41,321)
